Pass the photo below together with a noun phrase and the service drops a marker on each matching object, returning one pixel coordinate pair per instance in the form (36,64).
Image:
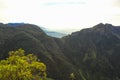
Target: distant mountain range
(91,54)
(53,33)
(47,31)
(15,24)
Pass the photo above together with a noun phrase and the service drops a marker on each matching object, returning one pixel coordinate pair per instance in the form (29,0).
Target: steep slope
(34,40)
(47,31)
(91,54)
(95,52)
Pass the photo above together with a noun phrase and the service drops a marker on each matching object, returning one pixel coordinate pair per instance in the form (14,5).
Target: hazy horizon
(61,15)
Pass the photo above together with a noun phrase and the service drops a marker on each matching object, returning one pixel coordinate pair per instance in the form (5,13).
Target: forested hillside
(89,54)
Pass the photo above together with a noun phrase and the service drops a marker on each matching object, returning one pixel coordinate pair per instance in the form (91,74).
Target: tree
(72,76)
(20,67)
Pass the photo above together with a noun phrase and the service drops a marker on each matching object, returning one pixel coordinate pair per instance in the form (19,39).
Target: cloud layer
(61,15)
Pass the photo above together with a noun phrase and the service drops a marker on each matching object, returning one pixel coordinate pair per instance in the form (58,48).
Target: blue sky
(61,15)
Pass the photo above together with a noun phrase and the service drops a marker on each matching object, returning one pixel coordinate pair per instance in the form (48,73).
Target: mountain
(15,24)
(47,31)
(53,33)
(95,52)
(34,40)
(91,54)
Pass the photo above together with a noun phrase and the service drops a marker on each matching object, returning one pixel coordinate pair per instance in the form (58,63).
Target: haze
(61,15)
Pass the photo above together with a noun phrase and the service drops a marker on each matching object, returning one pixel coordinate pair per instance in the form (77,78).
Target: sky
(65,16)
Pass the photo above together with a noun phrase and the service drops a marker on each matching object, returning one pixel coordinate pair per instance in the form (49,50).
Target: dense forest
(89,54)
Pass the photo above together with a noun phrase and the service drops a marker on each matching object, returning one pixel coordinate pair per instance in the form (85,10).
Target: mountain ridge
(91,54)
(97,43)
(47,31)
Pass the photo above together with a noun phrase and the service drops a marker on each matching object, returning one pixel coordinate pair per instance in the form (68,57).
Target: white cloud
(60,15)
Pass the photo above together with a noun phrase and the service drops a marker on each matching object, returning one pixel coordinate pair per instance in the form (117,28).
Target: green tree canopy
(20,67)
(72,76)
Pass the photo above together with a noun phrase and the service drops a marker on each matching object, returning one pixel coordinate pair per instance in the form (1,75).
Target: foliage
(82,76)
(20,67)
(92,54)
(72,76)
